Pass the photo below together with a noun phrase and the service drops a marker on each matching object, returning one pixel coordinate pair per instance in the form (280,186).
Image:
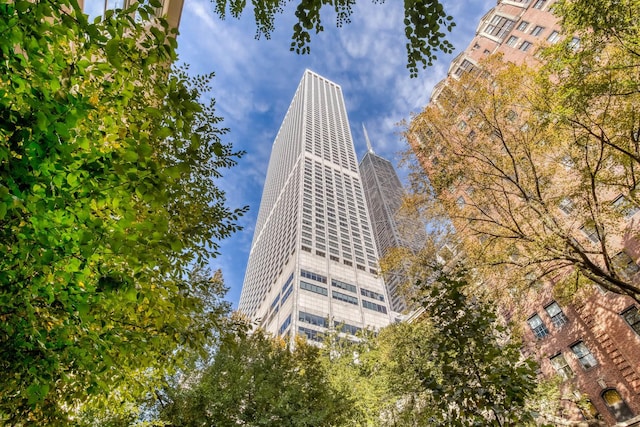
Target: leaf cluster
(425,23)
(454,365)
(257,380)
(108,160)
(551,149)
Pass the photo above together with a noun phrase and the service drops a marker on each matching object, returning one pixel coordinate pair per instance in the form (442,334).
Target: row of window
(370,294)
(579,349)
(311,334)
(582,354)
(313,288)
(621,203)
(313,276)
(312,319)
(558,318)
(321,321)
(342,285)
(343,297)
(284,325)
(375,307)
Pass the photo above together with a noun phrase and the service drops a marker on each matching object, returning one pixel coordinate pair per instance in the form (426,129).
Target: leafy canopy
(454,365)
(541,172)
(257,380)
(425,22)
(108,160)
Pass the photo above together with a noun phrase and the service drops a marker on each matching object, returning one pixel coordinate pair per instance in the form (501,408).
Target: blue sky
(256,79)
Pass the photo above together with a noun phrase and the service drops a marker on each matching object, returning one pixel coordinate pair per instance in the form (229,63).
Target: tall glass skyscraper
(391,228)
(313,260)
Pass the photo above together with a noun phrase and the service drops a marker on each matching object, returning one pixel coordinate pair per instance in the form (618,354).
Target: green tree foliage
(107,198)
(454,365)
(424,24)
(609,21)
(257,380)
(355,368)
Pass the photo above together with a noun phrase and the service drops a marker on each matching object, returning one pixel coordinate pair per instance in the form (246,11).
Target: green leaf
(36,393)
(112,51)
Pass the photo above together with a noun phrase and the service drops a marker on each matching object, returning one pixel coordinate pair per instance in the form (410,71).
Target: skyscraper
(392,229)
(313,261)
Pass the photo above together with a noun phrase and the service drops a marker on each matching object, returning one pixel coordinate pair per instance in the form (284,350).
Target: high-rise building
(313,260)
(383,191)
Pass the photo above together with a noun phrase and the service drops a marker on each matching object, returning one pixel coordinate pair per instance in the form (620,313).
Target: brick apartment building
(593,343)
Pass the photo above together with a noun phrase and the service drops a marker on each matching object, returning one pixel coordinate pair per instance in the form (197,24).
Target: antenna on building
(366,137)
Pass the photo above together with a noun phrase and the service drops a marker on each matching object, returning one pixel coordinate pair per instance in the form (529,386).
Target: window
(286,295)
(616,405)
(559,363)
(311,334)
(584,355)
(313,288)
(591,233)
(344,298)
(632,316)
(558,318)
(566,205)
(342,285)
(465,66)
(512,40)
(471,136)
(375,307)
(460,202)
(553,37)
(370,294)
(499,26)
(625,206)
(275,301)
(574,44)
(625,264)
(522,26)
(537,30)
(313,276)
(525,46)
(284,325)
(312,319)
(537,326)
(539,4)
(348,329)
(567,162)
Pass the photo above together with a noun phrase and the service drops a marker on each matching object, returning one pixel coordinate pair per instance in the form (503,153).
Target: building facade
(383,192)
(170,9)
(313,261)
(593,341)
(514,29)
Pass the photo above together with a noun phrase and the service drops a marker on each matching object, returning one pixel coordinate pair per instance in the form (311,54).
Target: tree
(256,380)
(539,180)
(424,22)
(108,160)
(456,365)
(355,367)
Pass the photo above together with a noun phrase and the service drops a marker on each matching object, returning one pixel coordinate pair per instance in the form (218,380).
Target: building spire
(366,137)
